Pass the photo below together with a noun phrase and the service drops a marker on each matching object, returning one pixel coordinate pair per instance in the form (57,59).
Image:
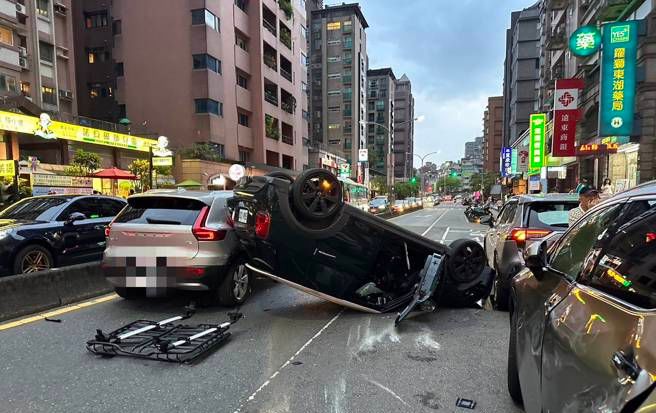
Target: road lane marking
(445,233)
(58,311)
(434,222)
(288,362)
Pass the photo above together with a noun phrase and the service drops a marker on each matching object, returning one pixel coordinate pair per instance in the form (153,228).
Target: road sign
(363,155)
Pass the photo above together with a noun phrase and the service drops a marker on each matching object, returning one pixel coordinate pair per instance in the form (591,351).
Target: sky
(453,53)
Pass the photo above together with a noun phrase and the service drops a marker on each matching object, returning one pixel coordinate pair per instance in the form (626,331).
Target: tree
(141,168)
(379,185)
(202,151)
(483,181)
(84,163)
(403,190)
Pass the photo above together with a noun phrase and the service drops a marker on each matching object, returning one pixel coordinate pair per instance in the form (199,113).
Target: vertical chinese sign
(536,145)
(506,160)
(513,161)
(565,116)
(618,78)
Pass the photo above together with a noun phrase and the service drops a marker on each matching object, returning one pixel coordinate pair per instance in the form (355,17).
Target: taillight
(203,233)
(108,230)
(262,224)
(520,235)
(194,272)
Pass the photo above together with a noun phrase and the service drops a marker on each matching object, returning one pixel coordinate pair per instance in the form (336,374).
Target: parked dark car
(523,220)
(379,206)
(48,231)
(583,313)
(299,232)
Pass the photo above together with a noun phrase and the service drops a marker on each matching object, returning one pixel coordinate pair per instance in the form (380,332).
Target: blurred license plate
(243,216)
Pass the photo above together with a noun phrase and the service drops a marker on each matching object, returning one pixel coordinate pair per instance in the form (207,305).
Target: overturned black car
(300,232)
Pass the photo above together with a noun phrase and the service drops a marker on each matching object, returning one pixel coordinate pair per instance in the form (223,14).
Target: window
(333,42)
(304,59)
(370,118)
(241,42)
(244,156)
(87,206)
(174,211)
(25,88)
(550,214)
(348,42)
(580,241)
(109,207)
(306,115)
(304,32)
(45,50)
(205,61)
(6,36)
(117,27)
(242,4)
(347,93)
(334,59)
(334,126)
(507,214)
(95,19)
(304,88)
(98,54)
(370,106)
(48,95)
(627,267)
(8,83)
(334,26)
(122,111)
(242,81)
(204,16)
(43,7)
(380,105)
(334,76)
(220,149)
(347,78)
(119,69)
(347,143)
(333,108)
(209,106)
(242,118)
(99,90)
(334,92)
(347,27)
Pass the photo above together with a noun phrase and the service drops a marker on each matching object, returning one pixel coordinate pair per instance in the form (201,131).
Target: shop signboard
(506,160)
(43,184)
(48,129)
(585,41)
(162,160)
(513,161)
(566,114)
(537,137)
(618,78)
(597,149)
(620,140)
(344,170)
(8,168)
(534,183)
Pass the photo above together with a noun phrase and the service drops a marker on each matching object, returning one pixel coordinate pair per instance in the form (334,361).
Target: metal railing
(271,98)
(286,74)
(288,139)
(90,122)
(288,106)
(269,26)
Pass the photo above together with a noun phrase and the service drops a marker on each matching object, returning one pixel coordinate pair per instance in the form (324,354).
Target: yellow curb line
(58,311)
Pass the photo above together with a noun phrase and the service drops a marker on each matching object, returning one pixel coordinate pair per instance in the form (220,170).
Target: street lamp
(421,175)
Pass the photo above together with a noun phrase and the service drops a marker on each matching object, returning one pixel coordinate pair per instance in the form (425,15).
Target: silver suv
(176,239)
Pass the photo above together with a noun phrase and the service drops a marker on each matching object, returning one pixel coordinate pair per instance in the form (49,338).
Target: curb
(31,293)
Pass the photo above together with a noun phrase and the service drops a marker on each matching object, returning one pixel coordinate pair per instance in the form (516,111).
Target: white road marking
(445,233)
(434,222)
(387,389)
(288,362)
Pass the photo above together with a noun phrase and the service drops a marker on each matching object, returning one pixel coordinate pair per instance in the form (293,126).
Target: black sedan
(300,232)
(41,232)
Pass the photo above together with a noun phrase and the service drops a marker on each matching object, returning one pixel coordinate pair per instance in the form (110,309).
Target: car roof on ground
(530,198)
(204,196)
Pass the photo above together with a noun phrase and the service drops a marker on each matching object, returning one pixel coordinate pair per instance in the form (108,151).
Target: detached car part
(301,233)
(163,340)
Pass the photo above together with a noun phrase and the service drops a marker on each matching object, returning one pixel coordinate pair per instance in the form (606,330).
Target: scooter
(475,213)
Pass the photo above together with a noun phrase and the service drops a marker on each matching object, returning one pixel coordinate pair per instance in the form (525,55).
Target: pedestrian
(583,183)
(607,187)
(588,197)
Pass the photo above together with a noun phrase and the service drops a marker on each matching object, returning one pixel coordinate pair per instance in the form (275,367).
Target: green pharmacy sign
(585,41)
(618,78)
(537,140)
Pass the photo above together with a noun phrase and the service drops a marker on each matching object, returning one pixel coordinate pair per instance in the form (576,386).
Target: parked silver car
(523,220)
(176,239)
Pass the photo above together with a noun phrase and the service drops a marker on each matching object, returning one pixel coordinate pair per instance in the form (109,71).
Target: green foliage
(84,163)
(286,38)
(271,127)
(483,180)
(141,168)
(379,185)
(286,6)
(163,170)
(202,151)
(403,190)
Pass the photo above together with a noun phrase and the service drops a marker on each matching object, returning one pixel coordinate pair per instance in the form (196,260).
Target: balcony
(271,128)
(288,102)
(556,4)
(556,40)
(287,133)
(612,9)
(285,36)
(10,56)
(269,57)
(270,92)
(286,69)
(269,20)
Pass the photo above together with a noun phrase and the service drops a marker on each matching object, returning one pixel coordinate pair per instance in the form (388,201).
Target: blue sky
(452,51)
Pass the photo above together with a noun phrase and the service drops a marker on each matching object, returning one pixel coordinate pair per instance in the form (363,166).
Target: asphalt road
(291,353)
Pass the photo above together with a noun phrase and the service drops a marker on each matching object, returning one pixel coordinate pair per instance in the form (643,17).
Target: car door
(80,238)
(541,292)
(598,350)
(496,235)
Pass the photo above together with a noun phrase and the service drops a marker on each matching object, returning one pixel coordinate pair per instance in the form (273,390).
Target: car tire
(514,388)
(128,293)
(235,287)
(33,258)
(500,292)
(311,199)
(466,260)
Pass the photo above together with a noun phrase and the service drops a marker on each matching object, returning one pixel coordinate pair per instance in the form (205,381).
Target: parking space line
(58,311)
(445,233)
(434,222)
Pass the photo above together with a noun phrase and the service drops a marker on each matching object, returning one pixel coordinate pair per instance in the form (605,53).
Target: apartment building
(229,73)
(493,134)
(338,71)
(521,72)
(95,68)
(380,122)
(404,129)
(37,71)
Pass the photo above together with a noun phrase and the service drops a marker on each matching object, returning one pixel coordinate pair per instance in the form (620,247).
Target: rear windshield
(550,214)
(378,202)
(160,211)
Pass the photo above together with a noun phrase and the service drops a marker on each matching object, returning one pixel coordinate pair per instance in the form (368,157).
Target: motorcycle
(475,213)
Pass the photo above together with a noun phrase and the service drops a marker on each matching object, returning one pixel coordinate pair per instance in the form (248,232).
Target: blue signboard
(506,161)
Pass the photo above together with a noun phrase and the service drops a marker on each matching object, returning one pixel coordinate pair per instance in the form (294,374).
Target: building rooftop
(385,71)
(352,7)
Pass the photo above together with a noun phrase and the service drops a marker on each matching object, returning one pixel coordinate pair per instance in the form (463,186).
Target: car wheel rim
(468,263)
(317,199)
(35,261)
(240,278)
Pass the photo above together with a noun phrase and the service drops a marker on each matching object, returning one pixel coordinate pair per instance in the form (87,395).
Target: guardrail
(31,293)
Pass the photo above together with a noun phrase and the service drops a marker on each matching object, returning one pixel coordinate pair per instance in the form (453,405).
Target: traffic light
(454,173)
(413,180)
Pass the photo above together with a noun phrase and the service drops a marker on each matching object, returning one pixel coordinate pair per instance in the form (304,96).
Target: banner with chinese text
(566,114)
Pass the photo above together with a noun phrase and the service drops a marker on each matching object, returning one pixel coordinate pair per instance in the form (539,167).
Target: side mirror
(75,216)
(535,257)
